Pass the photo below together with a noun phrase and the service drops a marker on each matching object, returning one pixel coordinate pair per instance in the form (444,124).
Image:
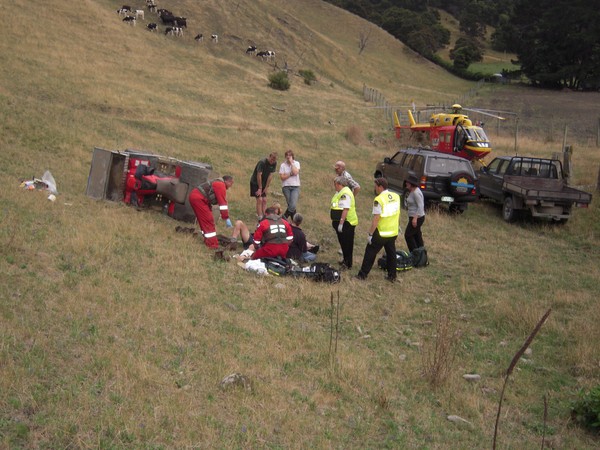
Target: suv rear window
(446,166)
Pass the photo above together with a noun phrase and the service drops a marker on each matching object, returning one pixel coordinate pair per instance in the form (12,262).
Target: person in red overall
(213,192)
(273,235)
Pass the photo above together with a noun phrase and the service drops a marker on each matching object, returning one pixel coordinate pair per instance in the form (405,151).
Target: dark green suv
(444,178)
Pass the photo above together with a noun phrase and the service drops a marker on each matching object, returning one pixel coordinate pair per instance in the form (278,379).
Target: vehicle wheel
(461,183)
(509,213)
(457,209)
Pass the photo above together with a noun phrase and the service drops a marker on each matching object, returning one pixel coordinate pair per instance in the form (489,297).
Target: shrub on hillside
(354,135)
(279,81)
(586,410)
(308,75)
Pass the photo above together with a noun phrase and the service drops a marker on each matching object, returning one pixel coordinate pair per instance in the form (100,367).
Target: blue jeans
(309,257)
(291,194)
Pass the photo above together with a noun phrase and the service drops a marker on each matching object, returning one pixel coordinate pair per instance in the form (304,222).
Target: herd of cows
(174,26)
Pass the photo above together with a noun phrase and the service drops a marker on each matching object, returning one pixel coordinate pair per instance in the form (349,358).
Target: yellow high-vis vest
(351,218)
(390,213)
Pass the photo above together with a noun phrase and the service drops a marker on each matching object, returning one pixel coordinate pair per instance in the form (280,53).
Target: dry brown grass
(354,135)
(116,332)
(439,352)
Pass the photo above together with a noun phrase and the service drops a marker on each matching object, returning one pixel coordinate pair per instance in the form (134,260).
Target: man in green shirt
(260,181)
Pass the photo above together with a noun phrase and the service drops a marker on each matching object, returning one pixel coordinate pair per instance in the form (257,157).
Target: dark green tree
(559,42)
(466,51)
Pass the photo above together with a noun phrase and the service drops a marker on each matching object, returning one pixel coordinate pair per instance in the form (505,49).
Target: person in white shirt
(289,172)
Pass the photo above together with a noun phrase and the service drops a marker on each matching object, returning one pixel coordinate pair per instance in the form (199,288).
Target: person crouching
(272,236)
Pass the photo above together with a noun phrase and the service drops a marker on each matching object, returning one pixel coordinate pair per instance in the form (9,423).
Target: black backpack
(277,266)
(404,261)
(319,272)
(419,257)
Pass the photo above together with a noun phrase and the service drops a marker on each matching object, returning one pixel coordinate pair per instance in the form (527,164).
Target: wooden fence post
(567,154)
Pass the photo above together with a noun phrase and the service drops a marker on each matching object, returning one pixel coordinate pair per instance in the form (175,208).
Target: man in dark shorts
(260,181)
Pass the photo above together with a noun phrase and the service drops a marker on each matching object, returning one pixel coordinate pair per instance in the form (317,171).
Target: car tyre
(457,209)
(509,213)
(457,191)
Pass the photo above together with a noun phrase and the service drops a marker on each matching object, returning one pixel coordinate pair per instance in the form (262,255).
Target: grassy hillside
(493,61)
(115,331)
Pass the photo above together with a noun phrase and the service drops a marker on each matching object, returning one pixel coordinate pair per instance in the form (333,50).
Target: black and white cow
(174,31)
(266,55)
(124,10)
(215,38)
(181,22)
(199,38)
(130,20)
(152,27)
(163,12)
(251,50)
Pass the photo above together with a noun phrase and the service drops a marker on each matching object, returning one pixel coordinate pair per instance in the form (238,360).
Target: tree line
(557,42)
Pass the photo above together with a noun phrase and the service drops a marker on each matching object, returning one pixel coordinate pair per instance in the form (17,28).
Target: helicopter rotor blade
(488,112)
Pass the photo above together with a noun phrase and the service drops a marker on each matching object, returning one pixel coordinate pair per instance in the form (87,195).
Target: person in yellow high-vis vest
(383,231)
(344,219)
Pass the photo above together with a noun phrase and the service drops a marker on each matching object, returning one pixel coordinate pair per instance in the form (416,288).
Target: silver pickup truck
(536,185)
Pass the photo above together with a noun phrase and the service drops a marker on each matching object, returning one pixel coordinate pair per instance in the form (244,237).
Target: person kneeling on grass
(298,250)
(273,236)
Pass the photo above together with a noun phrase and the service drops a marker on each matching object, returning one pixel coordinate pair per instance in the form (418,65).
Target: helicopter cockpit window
(481,136)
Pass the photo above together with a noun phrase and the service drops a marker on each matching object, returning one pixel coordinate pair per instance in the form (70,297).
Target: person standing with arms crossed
(260,182)
(344,219)
(289,172)
(340,170)
(383,230)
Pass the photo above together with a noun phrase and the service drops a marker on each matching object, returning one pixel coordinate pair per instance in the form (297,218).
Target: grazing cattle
(164,12)
(215,38)
(124,10)
(174,31)
(251,49)
(199,38)
(168,20)
(139,14)
(266,54)
(130,20)
(181,22)
(152,8)
(152,27)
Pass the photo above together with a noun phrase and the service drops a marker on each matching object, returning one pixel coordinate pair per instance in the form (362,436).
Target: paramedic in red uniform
(273,234)
(213,192)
